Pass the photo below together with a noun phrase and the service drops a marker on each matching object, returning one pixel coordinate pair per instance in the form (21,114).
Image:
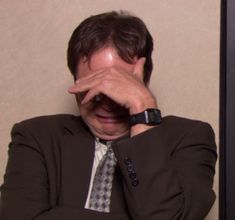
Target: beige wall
(34,76)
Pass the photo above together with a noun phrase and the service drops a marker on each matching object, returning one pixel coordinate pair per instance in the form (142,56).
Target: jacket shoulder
(47,119)
(180,122)
(50,124)
(43,131)
(179,127)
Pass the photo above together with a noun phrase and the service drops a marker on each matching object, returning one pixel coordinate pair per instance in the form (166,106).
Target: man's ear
(139,68)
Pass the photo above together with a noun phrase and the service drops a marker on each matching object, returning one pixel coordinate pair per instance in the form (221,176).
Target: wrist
(139,128)
(140,106)
(144,121)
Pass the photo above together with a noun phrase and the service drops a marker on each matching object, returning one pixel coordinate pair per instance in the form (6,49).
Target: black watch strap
(150,116)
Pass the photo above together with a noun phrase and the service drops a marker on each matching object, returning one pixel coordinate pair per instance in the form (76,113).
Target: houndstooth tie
(102,184)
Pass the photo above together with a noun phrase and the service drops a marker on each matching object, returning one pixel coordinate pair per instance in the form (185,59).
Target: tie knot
(104,142)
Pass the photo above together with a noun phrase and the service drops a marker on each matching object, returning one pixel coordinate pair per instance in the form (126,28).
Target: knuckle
(106,83)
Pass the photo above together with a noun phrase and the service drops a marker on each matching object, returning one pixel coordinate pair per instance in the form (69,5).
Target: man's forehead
(106,56)
(103,58)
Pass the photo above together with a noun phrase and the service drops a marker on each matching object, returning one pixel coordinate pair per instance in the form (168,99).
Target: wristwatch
(150,116)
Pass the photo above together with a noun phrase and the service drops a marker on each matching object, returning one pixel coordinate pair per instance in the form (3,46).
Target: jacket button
(133,175)
(135,182)
(130,168)
(127,160)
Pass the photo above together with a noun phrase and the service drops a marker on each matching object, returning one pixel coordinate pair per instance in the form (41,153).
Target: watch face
(152,116)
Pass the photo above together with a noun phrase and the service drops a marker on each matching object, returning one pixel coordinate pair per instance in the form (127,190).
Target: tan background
(34,77)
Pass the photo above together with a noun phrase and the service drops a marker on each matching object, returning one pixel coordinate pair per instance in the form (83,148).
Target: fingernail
(71,89)
(83,102)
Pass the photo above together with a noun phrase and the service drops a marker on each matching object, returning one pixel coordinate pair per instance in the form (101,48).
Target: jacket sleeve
(168,172)
(25,193)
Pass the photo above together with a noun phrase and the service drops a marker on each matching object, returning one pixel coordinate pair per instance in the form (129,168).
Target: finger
(72,89)
(91,74)
(139,68)
(90,95)
(85,84)
(75,89)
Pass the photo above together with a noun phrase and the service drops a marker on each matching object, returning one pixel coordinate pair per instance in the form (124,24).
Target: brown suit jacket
(165,173)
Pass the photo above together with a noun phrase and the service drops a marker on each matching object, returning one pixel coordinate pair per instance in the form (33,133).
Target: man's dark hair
(125,32)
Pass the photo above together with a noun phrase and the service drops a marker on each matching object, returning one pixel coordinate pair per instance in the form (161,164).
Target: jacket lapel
(77,153)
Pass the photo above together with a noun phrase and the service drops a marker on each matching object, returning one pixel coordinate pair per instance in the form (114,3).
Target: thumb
(139,68)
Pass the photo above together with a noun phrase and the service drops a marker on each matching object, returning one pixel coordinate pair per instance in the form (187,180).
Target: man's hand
(125,88)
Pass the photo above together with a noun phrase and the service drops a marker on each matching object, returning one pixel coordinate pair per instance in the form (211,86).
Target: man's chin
(109,132)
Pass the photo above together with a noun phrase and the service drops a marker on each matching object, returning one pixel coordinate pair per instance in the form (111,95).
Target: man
(155,169)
